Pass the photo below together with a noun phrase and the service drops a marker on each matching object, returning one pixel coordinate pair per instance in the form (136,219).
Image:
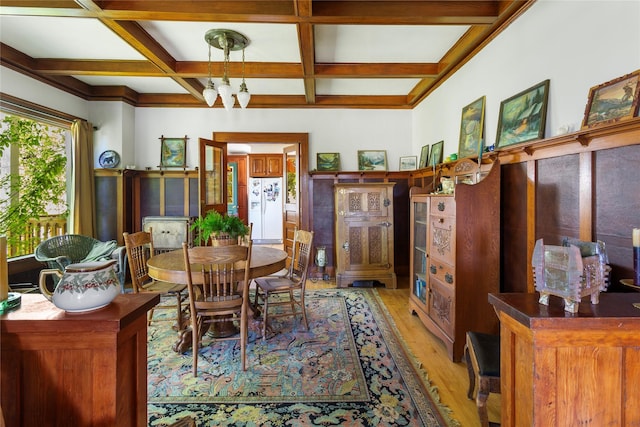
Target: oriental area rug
(350,369)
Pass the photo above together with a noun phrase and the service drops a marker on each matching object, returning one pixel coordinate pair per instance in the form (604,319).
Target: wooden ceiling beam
(399,70)
(306,41)
(405,12)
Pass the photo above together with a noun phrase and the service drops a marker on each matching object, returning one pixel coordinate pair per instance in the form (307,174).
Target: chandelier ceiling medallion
(226,40)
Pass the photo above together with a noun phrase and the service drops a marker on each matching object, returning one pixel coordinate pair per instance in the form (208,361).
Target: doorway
(299,216)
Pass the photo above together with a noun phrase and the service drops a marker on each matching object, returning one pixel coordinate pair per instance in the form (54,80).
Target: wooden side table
(83,369)
(560,368)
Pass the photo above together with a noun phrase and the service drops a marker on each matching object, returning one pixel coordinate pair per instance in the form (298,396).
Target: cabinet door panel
(442,242)
(371,203)
(442,305)
(443,206)
(365,247)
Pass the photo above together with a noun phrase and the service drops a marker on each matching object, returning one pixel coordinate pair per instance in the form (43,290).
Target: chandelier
(226,40)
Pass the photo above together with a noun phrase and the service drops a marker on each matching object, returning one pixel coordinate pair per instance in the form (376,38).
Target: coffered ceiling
(302,53)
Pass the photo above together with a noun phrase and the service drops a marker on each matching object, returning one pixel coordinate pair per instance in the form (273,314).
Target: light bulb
(210,94)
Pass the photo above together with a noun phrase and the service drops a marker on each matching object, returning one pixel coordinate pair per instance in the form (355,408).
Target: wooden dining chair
(139,248)
(218,285)
(286,291)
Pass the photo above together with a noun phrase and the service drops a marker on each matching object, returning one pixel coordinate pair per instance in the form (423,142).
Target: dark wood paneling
(106,188)
(513,214)
(557,199)
(323,217)
(149,198)
(617,206)
(401,225)
(174,197)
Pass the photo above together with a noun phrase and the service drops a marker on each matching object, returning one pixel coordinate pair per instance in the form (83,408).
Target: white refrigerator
(265,209)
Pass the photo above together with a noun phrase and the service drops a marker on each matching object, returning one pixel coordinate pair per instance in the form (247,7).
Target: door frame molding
(300,138)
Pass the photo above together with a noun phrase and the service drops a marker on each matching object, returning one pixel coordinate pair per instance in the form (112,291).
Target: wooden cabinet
(455,255)
(364,233)
(265,165)
(565,369)
(82,369)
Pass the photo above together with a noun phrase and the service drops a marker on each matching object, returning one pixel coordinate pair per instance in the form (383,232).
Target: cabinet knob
(345,246)
(441,206)
(341,213)
(448,278)
(433,269)
(386,203)
(385,224)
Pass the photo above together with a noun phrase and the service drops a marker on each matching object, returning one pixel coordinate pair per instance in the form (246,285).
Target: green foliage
(41,179)
(214,223)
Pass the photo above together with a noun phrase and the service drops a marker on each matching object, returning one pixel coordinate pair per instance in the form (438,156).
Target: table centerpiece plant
(220,229)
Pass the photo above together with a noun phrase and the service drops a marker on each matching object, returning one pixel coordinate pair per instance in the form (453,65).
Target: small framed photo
(436,155)
(372,160)
(612,101)
(424,157)
(408,163)
(471,129)
(523,116)
(173,152)
(328,161)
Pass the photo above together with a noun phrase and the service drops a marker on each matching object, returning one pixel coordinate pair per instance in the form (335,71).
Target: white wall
(343,131)
(577,44)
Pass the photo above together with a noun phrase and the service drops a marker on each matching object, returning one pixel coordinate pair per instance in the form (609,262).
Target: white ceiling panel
(69,38)
(365,86)
(385,43)
(185,40)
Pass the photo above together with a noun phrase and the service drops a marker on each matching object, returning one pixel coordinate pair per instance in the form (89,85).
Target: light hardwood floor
(450,378)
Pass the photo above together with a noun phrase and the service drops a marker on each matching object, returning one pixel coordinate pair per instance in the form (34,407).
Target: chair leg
(195,344)
(481,401)
(150,317)
(472,374)
(243,337)
(304,310)
(179,310)
(265,307)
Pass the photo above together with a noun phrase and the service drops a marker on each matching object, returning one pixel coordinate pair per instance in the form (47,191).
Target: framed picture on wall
(424,157)
(436,156)
(471,129)
(372,160)
(328,161)
(408,163)
(173,152)
(523,116)
(613,101)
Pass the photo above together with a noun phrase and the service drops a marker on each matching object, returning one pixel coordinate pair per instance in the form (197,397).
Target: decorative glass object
(571,271)
(321,256)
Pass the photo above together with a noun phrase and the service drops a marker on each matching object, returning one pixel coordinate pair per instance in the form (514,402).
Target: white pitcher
(83,286)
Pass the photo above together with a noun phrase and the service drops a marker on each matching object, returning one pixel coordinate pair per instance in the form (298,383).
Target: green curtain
(83,201)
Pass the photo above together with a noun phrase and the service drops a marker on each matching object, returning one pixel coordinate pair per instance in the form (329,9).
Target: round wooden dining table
(169,267)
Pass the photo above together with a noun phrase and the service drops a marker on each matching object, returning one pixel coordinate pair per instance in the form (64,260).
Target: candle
(4,269)
(636,237)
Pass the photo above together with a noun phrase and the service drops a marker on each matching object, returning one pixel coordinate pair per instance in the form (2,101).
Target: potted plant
(221,229)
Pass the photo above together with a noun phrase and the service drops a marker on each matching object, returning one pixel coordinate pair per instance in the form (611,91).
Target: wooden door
(213,176)
(241,161)
(291,217)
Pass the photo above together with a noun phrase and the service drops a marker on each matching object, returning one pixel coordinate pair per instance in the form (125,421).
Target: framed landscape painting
(372,160)
(523,116)
(471,129)
(612,101)
(408,163)
(424,157)
(328,161)
(173,152)
(435,157)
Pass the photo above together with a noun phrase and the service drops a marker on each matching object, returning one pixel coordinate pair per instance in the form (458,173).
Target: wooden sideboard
(564,369)
(83,369)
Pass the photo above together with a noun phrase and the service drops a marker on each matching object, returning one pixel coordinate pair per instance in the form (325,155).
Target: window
(33,177)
